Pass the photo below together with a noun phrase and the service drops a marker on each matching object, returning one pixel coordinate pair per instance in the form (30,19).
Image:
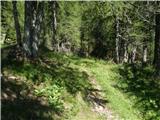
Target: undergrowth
(61,80)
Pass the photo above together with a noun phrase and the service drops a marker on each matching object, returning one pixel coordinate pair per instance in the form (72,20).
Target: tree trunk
(117,39)
(144,52)
(17,25)
(38,17)
(157,42)
(125,59)
(32,27)
(27,28)
(54,24)
(54,16)
(145,41)
(133,55)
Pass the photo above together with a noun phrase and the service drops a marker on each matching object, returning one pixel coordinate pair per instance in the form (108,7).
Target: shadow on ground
(18,103)
(94,96)
(140,82)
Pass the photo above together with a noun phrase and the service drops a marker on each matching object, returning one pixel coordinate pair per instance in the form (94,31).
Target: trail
(95,96)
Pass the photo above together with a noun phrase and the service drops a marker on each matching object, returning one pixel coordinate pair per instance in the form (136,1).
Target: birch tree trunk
(125,59)
(145,41)
(117,39)
(144,52)
(133,55)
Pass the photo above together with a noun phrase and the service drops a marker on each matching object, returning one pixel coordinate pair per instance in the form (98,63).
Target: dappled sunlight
(44,74)
(141,83)
(78,60)
(19,102)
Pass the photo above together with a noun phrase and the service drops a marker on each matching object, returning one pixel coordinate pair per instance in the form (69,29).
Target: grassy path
(106,76)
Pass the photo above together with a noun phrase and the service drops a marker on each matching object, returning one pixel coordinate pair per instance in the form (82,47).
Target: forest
(80,60)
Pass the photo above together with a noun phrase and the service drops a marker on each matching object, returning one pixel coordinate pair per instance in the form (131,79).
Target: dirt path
(98,101)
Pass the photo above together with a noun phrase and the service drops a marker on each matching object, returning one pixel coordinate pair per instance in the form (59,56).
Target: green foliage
(7,20)
(131,89)
(90,26)
(20,7)
(69,22)
(139,82)
(53,94)
(54,80)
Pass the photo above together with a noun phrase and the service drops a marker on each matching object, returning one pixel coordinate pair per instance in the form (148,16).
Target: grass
(117,100)
(57,85)
(51,82)
(108,76)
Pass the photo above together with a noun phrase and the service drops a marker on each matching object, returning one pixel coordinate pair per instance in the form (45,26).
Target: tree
(157,42)
(32,27)
(122,31)
(117,38)
(28,28)
(37,28)
(17,25)
(68,26)
(53,8)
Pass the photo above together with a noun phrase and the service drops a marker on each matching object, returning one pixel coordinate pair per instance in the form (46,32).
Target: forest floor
(66,87)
